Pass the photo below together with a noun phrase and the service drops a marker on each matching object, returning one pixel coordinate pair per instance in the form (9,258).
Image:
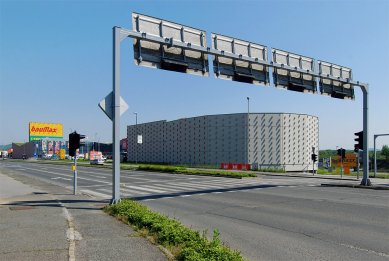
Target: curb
(316,176)
(356,186)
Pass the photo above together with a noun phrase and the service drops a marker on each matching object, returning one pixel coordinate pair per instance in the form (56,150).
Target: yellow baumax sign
(39,130)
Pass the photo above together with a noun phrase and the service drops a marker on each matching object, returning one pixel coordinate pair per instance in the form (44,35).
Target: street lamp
(136,137)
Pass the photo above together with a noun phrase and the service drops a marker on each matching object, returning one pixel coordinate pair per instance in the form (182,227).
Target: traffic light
(359,140)
(314,157)
(74,142)
(342,153)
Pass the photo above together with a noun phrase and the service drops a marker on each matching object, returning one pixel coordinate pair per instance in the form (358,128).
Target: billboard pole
(365,159)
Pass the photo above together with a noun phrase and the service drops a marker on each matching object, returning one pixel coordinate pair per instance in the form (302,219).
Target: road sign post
(116,116)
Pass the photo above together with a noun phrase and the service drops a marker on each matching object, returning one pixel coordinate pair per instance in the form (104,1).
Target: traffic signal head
(74,142)
(314,157)
(339,152)
(359,141)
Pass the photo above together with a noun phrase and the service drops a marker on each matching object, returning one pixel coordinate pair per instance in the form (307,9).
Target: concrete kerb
(375,187)
(305,175)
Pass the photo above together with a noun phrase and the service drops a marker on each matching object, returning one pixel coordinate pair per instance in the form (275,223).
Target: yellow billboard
(40,130)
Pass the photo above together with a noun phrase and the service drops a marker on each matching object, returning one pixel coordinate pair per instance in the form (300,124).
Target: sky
(56,64)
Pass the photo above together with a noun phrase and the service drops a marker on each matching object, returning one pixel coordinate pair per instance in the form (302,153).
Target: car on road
(97,162)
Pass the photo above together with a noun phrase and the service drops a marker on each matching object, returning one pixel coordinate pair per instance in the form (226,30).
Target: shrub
(170,233)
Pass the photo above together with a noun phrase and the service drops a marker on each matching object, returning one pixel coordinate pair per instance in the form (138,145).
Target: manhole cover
(22,207)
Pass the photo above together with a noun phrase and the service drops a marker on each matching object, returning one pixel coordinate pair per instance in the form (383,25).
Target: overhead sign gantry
(171,46)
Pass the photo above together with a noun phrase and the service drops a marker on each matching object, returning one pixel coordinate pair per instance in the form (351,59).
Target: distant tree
(327,153)
(385,151)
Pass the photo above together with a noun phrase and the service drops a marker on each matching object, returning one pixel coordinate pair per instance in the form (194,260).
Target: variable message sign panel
(293,80)
(240,69)
(338,87)
(166,56)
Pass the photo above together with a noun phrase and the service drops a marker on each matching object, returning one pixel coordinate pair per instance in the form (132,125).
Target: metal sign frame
(290,79)
(120,34)
(335,88)
(239,69)
(165,55)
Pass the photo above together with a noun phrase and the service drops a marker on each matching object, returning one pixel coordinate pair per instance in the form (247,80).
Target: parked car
(97,162)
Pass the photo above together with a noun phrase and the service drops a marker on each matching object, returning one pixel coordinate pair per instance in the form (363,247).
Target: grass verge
(381,175)
(182,242)
(183,170)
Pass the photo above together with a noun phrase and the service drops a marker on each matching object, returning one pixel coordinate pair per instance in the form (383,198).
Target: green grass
(382,175)
(183,170)
(182,242)
(273,170)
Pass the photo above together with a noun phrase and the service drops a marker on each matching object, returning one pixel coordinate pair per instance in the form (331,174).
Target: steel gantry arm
(120,33)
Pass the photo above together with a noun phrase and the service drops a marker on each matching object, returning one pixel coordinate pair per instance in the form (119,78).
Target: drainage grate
(39,193)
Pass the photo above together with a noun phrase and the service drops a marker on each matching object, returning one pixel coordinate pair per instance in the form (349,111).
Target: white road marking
(99,177)
(92,186)
(145,189)
(95,193)
(72,234)
(59,174)
(161,187)
(61,178)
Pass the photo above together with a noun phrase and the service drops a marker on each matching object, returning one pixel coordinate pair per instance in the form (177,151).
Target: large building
(264,140)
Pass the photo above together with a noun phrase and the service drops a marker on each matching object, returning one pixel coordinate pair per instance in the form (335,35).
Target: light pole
(136,137)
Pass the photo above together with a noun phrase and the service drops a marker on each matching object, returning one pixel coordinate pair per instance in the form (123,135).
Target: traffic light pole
(75,176)
(365,158)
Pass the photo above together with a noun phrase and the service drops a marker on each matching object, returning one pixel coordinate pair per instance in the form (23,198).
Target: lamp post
(136,137)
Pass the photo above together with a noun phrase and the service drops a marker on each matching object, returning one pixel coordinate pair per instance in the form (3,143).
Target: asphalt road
(267,218)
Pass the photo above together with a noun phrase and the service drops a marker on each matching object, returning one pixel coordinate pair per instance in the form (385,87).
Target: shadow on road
(90,204)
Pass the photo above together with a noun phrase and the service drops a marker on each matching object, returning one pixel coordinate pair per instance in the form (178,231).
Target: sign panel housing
(239,69)
(340,88)
(294,80)
(165,56)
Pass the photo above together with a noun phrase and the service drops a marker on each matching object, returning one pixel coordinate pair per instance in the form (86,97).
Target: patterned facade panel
(300,135)
(272,139)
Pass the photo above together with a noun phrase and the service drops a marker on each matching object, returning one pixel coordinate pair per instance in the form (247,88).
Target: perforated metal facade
(268,140)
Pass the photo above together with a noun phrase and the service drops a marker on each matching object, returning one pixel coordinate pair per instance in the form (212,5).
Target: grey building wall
(280,140)
(26,149)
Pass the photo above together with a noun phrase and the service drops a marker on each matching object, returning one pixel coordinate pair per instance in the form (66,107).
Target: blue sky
(56,63)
